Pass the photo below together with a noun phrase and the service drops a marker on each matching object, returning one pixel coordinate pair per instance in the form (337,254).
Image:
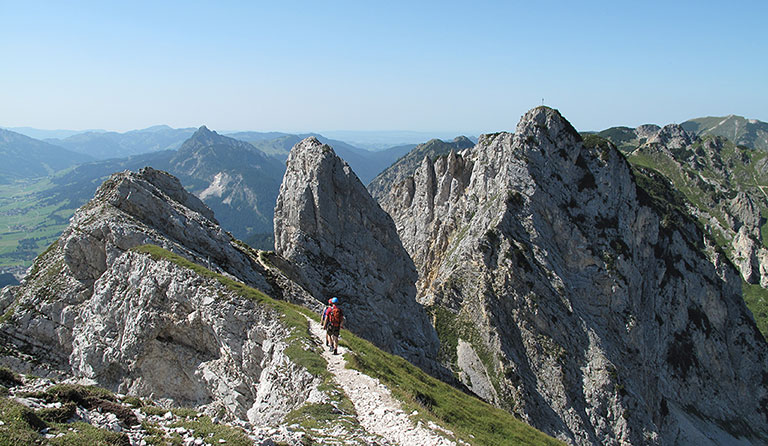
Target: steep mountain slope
(742,131)
(24,157)
(725,185)
(106,145)
(345,245)
(236,180)
(578,294)
(95,307)
(407,164)
(146,295)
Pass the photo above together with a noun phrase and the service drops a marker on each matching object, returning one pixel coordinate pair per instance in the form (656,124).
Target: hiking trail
(377,411)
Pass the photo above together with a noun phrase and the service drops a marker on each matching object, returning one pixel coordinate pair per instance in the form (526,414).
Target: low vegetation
(22,426)
(756,298)
(470,419)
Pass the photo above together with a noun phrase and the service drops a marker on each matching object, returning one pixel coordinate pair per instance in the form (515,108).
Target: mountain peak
(310,141)
(343,244)
(545,117)
(204,137)
(462,142)
(672,135)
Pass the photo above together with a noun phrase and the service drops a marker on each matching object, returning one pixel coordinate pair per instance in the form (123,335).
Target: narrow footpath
(377,411)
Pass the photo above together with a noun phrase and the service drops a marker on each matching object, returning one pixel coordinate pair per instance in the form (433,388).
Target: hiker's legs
(335,342)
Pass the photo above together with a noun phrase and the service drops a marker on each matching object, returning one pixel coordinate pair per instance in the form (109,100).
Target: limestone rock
(647,131)
(604,316)
(406,165)
(343,244)
(95,308)
(671,136)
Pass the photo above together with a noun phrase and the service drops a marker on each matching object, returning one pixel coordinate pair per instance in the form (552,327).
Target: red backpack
(334,317)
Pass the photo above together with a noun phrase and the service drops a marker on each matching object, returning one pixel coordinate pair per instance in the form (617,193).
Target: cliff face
(723,182)
(407,164)
(343,244)
(579,295)
(96,307)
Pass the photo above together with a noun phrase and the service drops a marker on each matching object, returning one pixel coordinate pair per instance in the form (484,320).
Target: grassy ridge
(471,419)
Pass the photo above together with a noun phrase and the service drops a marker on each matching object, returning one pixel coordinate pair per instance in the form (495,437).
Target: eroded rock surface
(94,308)
(343,244)
(600,313)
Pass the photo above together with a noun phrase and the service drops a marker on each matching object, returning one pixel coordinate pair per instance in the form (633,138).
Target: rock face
(571,291)
(671,136)
(724,183)
(343,244)
(96,308)
(405,166)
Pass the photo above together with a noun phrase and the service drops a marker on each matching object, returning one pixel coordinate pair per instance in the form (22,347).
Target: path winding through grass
(377,411)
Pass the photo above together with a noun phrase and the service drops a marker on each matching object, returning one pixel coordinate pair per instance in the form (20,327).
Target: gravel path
(377,411)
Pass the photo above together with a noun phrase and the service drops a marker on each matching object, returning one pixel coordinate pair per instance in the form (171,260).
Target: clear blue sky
(361,65)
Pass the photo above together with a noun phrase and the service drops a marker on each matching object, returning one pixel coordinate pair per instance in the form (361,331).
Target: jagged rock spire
(345,245)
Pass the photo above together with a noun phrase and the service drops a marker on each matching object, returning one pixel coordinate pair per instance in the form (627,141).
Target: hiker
(335,321)
(324,323)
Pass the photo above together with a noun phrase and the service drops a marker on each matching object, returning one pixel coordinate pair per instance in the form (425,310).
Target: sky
(469,67)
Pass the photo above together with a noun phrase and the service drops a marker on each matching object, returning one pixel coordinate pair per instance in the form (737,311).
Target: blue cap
(334,300)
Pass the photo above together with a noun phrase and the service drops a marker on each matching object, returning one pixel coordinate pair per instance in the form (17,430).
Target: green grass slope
(471,419)
(748,132)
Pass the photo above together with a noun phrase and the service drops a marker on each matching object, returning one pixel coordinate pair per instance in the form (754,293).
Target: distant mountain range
(219,168)
(105,145)
(48,134)
(237,181)
(366,164)
(741,131)
(25,157)
(239,178)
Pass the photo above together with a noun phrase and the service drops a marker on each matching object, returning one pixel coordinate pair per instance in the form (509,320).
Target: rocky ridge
(407,164)
(143,295)
(566,288)
(99,306)
(343,244)
(723,182)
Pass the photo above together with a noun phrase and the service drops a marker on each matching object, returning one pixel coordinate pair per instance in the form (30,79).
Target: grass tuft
(203,427)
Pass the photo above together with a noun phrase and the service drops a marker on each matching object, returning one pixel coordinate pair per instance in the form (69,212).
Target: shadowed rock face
(343,244)
(569,294)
